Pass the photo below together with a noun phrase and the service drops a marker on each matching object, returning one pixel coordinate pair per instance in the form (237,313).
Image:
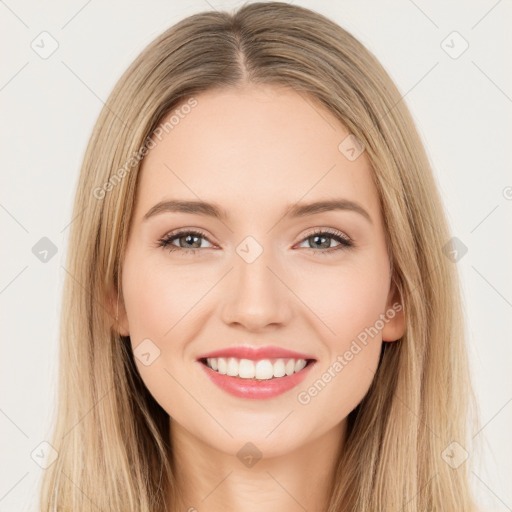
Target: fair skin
(255,151)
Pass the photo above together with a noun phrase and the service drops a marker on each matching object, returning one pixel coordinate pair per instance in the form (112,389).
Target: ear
(117,311)
(394,328)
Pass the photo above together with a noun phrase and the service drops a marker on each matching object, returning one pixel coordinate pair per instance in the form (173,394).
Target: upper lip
(256,353)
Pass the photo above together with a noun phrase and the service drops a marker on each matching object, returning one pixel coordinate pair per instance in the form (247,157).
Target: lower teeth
(254,378)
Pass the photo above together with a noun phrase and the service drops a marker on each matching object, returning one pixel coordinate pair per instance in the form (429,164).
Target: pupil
(317,237)
(189,239)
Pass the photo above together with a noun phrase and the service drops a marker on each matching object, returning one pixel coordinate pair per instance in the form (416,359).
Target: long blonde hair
(111,436)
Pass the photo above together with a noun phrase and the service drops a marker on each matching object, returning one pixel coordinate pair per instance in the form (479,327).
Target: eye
(321,238)
(187,240)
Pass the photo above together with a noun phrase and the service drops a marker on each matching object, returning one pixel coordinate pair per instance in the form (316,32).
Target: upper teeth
(261,369)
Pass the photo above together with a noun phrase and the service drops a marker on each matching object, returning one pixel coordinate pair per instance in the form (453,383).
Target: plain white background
(462,105)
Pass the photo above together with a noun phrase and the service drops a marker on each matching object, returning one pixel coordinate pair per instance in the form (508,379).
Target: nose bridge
(257,296)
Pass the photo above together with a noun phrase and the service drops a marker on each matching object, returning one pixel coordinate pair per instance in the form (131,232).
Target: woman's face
(260,276)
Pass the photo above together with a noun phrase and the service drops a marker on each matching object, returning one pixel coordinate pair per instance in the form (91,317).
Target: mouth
(256,379)
(256,370)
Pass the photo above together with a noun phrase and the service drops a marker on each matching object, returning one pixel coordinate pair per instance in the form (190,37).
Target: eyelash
(344,241)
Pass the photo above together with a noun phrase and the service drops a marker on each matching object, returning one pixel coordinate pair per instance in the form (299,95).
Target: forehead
(254,148)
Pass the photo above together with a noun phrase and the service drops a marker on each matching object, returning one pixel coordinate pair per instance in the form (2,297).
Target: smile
(262,369)
(264,378)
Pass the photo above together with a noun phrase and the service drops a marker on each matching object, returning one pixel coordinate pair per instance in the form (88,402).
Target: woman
(307,351)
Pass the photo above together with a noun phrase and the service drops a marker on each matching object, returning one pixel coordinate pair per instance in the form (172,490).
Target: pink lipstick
(256,373)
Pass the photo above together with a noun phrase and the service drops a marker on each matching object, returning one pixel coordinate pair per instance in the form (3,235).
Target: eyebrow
(292,211)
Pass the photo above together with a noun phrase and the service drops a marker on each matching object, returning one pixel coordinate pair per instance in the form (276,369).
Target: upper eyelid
(178,232)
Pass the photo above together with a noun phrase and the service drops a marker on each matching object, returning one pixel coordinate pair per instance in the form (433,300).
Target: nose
(257,295)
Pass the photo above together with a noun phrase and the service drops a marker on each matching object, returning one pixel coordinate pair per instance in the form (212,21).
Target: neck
(209,480)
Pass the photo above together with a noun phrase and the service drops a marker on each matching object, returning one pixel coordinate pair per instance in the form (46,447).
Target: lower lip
(252,388)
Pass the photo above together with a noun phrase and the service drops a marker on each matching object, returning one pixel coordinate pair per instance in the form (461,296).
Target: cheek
(159,303)
(154,306)
(339,386)
(149,312)
(347,299)
(350,307)
(156,299)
